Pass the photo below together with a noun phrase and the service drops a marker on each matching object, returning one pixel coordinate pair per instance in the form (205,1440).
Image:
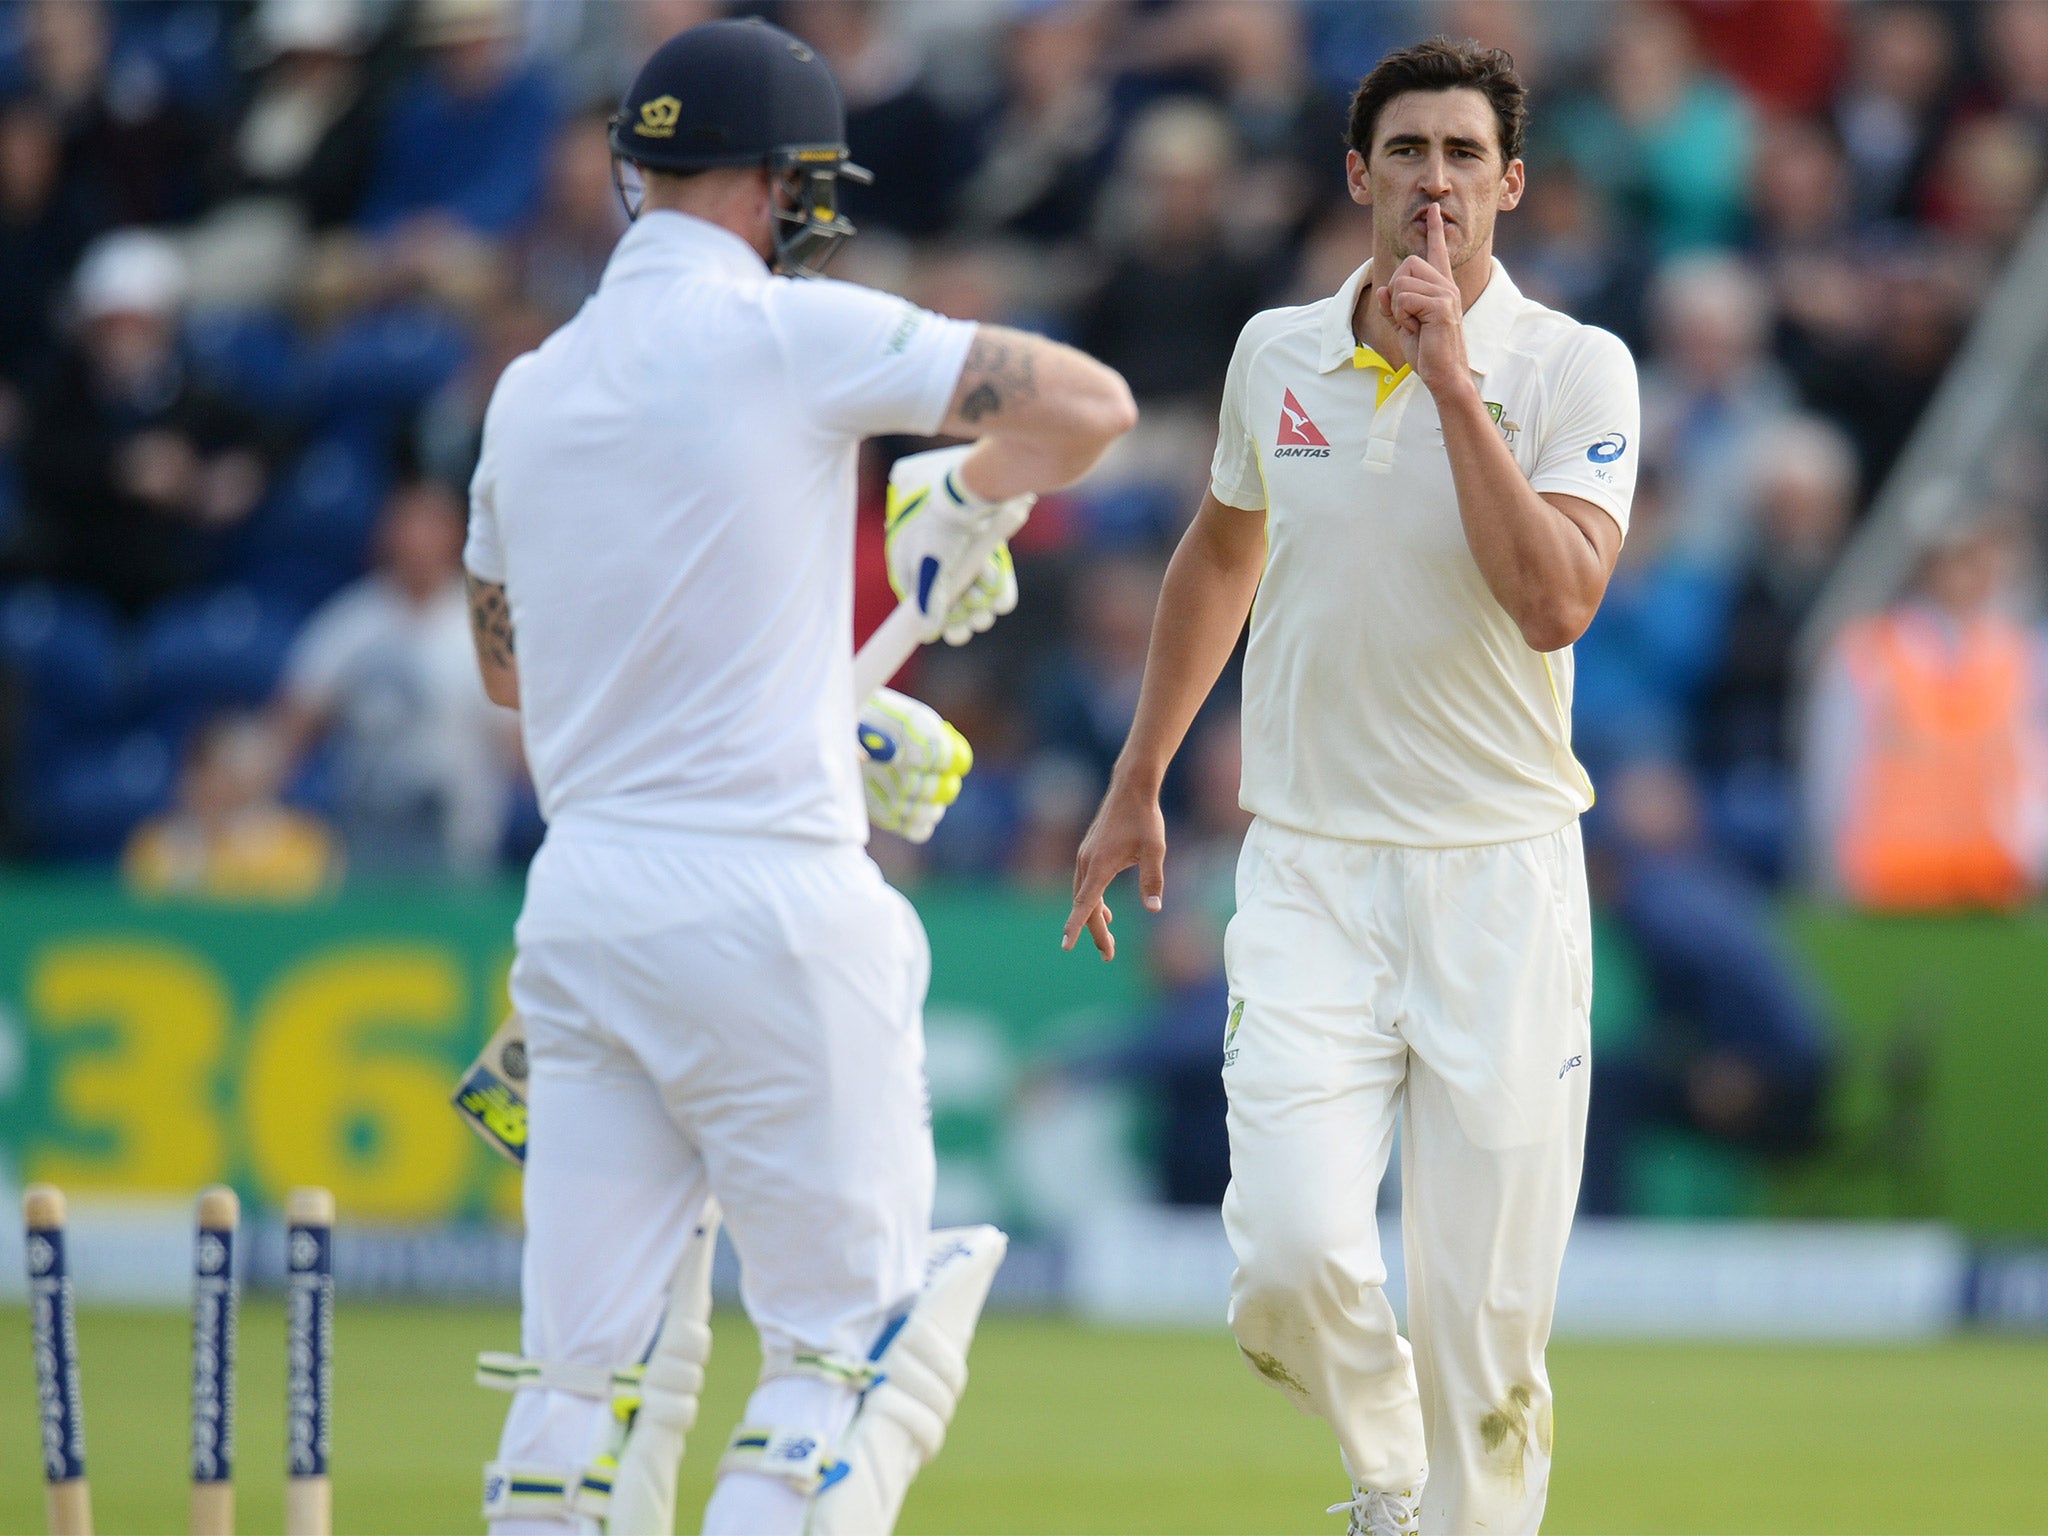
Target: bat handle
(899,636)
(894,643)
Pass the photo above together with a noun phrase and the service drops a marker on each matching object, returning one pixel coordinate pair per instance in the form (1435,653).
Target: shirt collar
(662,240)
(1486,322)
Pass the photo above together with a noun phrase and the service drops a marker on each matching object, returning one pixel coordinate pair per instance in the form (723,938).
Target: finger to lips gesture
(1422,300)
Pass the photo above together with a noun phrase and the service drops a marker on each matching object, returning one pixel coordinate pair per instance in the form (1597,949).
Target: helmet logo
(658,118)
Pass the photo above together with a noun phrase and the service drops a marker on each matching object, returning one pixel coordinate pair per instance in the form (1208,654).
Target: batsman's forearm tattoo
(998,370)
(491,620)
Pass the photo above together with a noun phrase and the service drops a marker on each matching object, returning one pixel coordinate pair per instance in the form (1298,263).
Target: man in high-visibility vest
(1927,762)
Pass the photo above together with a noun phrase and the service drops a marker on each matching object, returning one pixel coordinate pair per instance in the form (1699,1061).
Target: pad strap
(605,1384)
(528,1488)
(796,1456)
(849,1371)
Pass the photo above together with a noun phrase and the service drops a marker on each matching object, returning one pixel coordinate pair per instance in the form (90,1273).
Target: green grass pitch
(1071,1429)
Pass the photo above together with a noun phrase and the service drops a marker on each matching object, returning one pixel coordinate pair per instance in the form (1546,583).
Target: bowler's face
(1439,147)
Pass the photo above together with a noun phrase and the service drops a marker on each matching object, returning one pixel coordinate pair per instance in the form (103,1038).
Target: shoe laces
(1375,1512)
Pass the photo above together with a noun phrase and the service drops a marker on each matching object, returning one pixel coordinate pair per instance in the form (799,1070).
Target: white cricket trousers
(1451,985)
(733,1017)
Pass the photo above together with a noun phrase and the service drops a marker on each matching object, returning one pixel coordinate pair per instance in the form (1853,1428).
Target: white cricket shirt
(1388,697)
(666,491)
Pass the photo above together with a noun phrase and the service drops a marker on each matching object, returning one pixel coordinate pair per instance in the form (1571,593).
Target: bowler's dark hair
(1443,65)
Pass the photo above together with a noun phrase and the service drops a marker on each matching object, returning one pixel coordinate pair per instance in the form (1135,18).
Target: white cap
(443,22)
(128,272)
(309,26)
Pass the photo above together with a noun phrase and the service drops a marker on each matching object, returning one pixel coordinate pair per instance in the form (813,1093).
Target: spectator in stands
(1168,312)
(228,839)
(1178,1052)
(1048,147)
(1568,254)
(1875,378)
(1987,179)
(1665,140)
(1891,109)
(1806,492)
(1926,759)
(1709,395)
(310,132)
(982,829)
(1089,691)
(45,222)
(1203,878)
(561,258)
(126,138)
(1737,1047)
(464,146)
(2016,54)
(387,672)
(1254,56)
(1785,54)
(1639,668)
(895,127)
(132,469)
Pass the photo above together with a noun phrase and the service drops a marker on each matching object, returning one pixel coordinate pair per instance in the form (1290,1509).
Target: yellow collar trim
(1390,376)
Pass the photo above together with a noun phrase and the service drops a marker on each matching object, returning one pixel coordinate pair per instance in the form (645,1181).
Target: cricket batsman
(1425,480)
(721,997)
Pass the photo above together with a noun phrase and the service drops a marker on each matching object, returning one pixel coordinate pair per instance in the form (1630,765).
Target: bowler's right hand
(1129,829)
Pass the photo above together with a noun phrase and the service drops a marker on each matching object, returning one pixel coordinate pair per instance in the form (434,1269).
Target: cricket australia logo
(1230,1031)
(1508,429)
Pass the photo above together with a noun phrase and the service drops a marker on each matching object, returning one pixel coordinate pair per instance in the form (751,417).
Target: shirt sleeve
(1590,444)
(483,552)
(863,363)
(1234,477)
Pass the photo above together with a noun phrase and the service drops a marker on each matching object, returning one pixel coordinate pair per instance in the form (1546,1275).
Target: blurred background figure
(1168,311)
(1927,764)
(385,675)
(1175,1056)
(1804,484)
(1710,392)
(132,468)
(228,838)
(1733,1043)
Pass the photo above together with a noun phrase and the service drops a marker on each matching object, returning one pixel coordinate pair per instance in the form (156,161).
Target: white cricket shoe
(1379,1512)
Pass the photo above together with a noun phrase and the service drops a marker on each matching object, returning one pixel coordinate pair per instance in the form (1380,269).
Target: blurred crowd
(261,263)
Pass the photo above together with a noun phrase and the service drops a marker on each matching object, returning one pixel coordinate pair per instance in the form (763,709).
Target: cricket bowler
(722,999)
(1424,480)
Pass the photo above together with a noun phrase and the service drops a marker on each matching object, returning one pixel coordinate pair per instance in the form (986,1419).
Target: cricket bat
(491,1097)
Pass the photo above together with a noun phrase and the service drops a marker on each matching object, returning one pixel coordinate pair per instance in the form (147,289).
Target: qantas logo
(1298,437)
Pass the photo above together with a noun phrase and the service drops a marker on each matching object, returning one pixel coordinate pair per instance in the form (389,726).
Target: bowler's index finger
(1439,252)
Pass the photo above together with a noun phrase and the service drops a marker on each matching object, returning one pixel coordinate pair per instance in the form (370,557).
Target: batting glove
(934,524)
(914,764)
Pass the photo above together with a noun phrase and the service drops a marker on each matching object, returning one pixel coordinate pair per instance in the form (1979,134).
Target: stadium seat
(253,356)
(85,798)
(380,366)
(217,649)
(68,650)
(312,534)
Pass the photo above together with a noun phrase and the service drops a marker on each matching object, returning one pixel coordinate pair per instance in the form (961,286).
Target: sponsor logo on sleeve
(1608,449)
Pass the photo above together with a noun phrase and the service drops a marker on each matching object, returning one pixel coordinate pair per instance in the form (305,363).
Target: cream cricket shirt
(1388,697)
